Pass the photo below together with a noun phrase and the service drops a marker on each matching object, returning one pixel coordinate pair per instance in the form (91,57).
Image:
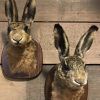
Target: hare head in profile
(19,32)
(72,70)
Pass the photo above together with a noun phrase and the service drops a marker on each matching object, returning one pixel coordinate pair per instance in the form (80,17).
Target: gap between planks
(62,21)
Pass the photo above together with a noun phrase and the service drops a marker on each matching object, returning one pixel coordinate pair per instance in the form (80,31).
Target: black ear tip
(57,26)
(94,27)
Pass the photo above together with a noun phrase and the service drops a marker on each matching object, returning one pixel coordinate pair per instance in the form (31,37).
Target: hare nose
(81,81)
(17,40)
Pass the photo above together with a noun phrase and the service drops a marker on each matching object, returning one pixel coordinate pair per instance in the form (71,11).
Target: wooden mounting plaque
(22,76)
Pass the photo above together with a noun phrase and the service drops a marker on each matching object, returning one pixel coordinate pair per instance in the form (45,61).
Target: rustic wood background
(76,16)
(34,89)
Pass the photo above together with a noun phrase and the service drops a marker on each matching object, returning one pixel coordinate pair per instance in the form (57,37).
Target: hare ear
(29,11)
(85,42)
(11,11)
(61,41)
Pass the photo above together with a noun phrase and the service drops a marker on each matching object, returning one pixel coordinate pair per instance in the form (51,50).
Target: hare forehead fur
(76,66)
(17,25)
(75,63)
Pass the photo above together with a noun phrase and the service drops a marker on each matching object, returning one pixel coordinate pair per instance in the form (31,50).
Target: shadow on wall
(4,37)
(46,70)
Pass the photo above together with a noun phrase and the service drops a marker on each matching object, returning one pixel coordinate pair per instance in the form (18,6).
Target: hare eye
(26,28)
(65,67)
(9,29)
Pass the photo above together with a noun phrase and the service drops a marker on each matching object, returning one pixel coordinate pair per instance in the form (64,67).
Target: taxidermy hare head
(19,32)
(68,80)
(23,53)
(72,70)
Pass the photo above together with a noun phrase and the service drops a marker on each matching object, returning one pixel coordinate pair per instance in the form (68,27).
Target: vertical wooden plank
(94,82)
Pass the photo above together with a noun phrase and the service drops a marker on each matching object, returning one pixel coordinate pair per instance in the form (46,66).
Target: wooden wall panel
(76,16)
(60,10)
(11,90)
(94,81)
(34,89)
(43,33)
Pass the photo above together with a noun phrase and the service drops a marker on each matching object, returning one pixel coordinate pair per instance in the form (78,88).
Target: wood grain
(43,33)
(34,89)
(12,90)
(60,10)
(94,81)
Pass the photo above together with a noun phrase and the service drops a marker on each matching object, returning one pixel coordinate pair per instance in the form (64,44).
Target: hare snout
(16,41)
(19,37)
(80,81)
(77,83)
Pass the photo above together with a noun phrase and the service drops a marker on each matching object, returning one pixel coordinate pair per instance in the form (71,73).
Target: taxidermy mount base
(22,73)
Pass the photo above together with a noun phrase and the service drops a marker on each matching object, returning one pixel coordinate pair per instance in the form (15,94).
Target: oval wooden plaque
(22,76)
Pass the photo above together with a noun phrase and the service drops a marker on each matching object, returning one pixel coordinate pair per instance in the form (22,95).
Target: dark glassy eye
(9,29)
(65,67)
(27,30)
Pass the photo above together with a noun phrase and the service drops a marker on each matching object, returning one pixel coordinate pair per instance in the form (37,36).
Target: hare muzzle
(19,37)
(81,82)
(16,40)
(81,78)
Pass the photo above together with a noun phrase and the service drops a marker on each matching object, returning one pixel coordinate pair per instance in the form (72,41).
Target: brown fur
(22,59)
(65,93)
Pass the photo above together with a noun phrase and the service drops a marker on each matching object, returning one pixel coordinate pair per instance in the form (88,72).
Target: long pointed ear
(29,11)
(11,11)
(61,41)
(85,42)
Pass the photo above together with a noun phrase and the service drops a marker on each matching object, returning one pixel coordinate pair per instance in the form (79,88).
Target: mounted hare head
(22,55)
(72,70)
(19,32)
